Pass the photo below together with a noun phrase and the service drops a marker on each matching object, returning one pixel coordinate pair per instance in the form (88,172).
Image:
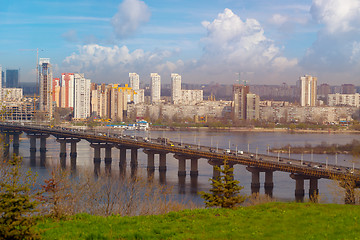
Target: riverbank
(266,221)
(255,129)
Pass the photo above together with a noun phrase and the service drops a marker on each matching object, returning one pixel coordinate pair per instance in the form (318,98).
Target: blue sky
(269,42)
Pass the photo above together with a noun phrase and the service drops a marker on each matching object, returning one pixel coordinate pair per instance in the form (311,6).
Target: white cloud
(131,14)
(337,15)
(70,36)
(233,45)
(336,49)
(109,64)
(278,19)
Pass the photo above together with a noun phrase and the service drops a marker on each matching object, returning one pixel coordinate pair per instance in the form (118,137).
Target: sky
(206,41)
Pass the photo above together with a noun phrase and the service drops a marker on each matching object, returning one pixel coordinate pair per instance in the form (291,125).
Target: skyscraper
(56,91)
(240,101)
(81,96)
(67,90)
(12,78)
(1,81)
(134,81)
(308,95)
(155,87)
(45,79)
(175,88)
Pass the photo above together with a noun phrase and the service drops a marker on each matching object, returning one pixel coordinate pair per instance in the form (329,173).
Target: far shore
(256,129)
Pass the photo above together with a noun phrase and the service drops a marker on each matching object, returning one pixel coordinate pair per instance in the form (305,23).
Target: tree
(17,201)
(225,190)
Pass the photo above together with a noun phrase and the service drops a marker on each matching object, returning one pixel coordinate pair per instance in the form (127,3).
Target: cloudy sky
(267,42)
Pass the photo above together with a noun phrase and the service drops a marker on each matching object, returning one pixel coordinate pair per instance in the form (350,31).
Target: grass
(266,221)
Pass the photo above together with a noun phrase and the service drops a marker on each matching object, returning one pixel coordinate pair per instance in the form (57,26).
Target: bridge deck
(268,162)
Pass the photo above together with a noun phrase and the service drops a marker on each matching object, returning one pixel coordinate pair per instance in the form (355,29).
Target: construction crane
(244,80)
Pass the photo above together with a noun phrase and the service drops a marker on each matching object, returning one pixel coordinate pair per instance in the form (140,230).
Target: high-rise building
(240,101)
(81,96)
(308,95)
(1,81)
(45,79)
(155,87)
(56,91)
(348,89)
(134,81)
(67,90)
(324,90)
(12,78)
(252,106)
(175,88)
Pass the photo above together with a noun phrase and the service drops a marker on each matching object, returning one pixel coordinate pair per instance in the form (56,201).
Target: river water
(284,186)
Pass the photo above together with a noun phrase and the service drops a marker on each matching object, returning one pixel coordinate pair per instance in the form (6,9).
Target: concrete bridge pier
(32,148)
(299,187)
(255,179)
(269,184)
(97,151)
(162,162)
(108,159)
(62,142)
(134,158)
(194,172)
(313,189)
(216,164)
(122,160)
(150,163)
(43,143)
(182,164)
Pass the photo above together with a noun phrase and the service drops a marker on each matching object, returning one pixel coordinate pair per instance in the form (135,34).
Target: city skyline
(263,42)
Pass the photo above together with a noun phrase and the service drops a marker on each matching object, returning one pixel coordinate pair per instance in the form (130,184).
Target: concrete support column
(32,144)
(162,162)
(255,179)
(150,163)
(122,162)
(62,148)
(182,164)
(299,187)
(16,143)
(194,167)
(134,160)
(313,189)
(73,150)
(42,144)
(269,184)
(108,158)
(216,172)
(97,157)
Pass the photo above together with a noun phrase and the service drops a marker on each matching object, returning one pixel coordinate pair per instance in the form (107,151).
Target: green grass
(267,221)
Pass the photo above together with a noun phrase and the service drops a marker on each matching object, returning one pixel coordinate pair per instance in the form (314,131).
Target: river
(284,186)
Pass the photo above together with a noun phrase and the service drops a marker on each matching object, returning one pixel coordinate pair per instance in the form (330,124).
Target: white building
(176,93)
(45,79)
(134,81)
(191,97)
(308,95)
(155,87)
(351,100)
(139,96)
(81,96)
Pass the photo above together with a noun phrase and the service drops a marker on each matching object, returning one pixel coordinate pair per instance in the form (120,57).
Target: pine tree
(225,190)
(17,203)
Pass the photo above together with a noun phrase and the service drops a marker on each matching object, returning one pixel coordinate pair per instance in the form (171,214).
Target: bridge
(300,170)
